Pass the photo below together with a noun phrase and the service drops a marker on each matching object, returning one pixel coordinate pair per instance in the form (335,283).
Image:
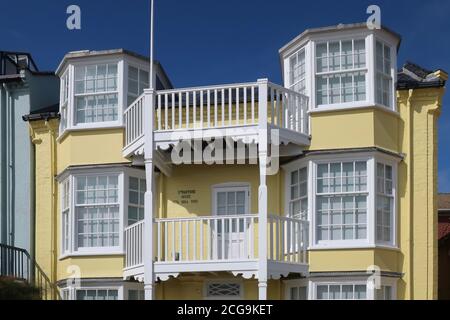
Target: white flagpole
(151,44)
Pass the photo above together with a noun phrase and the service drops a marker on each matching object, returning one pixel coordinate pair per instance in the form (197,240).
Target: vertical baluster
(201,108)
(208,107)
(166,112)
(277,237)
(283,250)
(238,113)
(223,107)
(187,110)
(180,239)
(244,250)
(159,112)
(174,249)
(216,116)
(271,253)
(180,110)
(272,101)
(222,239)
(188,243)
(159,241)
(195,242)
(173,111)
(252,238)
(166,241)
(201,241)
(230,106)
(194,108)
(209,236)
(253,105)
(245,105)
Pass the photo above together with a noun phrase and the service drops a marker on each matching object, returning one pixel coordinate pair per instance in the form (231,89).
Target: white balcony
(219,244)
(226,111)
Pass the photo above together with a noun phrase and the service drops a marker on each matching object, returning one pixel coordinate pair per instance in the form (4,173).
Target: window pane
(322,293)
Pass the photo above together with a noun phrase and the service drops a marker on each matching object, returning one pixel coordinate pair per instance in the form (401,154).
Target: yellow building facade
(347,210)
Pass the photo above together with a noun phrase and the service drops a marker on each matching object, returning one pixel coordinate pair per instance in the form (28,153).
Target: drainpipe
(3,213)
(9,228)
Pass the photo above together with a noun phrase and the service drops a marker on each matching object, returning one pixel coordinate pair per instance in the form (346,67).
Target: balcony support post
(149,278)
(262,191)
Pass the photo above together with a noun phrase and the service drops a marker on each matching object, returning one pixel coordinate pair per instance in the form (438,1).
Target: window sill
(105,126)
(352,247)
(352,106)
(90,254)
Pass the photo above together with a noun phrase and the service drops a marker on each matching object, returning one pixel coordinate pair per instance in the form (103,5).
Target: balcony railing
(219,238)
(218,107)
(134,241)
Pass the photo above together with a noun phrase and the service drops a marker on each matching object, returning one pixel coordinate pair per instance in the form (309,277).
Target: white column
(149,278)
(262,192)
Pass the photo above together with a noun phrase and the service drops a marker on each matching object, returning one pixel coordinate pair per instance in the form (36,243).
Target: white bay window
(95,206)
(352,69)
(349,200)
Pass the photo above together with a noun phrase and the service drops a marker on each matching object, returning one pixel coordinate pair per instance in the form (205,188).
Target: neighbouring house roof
(46,113)
(444,216)
(413,76)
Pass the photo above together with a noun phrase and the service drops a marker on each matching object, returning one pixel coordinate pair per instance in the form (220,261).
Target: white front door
(229,234)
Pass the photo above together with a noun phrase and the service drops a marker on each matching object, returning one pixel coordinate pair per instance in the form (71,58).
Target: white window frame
(394,197)
(140,68)
(231,187)
(291,284)
(71,292)
(372,159)
(341,282)
(291,84)
(323,244)
(95,94)
(312,283)
(223,281)
(65,92)
(70,176)
(70,112)
(132,286)
(391,76)
(364,70)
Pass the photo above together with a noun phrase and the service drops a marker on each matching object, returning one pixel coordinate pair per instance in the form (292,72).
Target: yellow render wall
(43,135)
(91,147)
(358,128)
(202,178)
(192,288)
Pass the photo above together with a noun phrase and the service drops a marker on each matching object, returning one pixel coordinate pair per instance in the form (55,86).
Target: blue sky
(204,42)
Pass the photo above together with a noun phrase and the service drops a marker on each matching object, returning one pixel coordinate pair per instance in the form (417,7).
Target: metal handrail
(18,263)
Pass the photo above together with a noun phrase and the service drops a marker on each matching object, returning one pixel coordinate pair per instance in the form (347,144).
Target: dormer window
(96,93)
(340,72)
(343,67)
(297,72)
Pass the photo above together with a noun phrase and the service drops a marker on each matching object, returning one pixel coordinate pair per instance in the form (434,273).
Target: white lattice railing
(219,238)
(288,240)
(134,245)
(134,121)
(206,238)
(220,107)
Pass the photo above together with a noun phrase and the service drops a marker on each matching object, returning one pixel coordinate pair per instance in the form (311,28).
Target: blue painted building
(24,90)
